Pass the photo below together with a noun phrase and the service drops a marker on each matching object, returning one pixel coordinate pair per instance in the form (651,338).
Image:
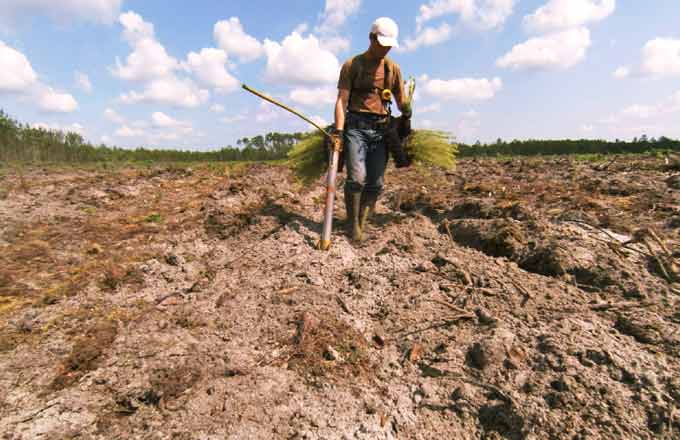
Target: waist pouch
(367,121)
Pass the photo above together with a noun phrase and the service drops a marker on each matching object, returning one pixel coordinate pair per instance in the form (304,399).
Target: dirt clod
(85,354)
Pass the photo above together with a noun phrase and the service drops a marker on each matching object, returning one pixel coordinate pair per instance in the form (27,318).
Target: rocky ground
(509,299)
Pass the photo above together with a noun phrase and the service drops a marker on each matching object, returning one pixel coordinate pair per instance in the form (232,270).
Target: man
(367,84)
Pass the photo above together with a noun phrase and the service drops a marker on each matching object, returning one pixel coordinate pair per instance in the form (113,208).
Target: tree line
(535,147)
(24,143)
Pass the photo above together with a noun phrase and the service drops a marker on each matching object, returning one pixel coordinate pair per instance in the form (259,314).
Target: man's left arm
(399,94)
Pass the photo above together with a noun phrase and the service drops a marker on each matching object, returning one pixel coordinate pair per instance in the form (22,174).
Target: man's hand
(337,137)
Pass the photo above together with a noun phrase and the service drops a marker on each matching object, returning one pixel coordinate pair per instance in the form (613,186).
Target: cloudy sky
(167,73)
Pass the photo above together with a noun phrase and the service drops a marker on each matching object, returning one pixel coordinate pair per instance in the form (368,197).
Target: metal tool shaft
(325,242)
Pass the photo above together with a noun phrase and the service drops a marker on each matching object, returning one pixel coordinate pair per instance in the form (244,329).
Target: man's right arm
(340,106)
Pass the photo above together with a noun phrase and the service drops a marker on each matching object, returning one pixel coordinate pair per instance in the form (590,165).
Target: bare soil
(510,299)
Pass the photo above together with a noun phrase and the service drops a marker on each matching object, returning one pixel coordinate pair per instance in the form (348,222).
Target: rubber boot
(353,207)
(368,201)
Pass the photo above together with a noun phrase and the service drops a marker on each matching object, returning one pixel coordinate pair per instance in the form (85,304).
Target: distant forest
(536,147)
(23,143)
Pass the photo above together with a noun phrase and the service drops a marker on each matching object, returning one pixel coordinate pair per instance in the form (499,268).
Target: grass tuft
(153,218)
(308,157)
(429,147)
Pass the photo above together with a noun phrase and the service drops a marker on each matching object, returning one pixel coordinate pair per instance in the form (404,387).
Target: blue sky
(167,73)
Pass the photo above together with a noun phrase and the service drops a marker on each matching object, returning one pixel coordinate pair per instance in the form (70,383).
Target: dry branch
(605,166)
(446,323)
(35,414)
(656,238)
(658,260)
(452,307)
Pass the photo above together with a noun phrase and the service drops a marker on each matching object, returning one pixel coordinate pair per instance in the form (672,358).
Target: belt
(367,121)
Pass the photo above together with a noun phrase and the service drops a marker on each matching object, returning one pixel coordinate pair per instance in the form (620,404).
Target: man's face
(378,50)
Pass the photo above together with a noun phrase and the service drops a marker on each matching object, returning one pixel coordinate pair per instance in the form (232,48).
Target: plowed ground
(515,299)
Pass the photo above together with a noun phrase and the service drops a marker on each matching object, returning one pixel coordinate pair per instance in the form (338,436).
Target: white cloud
(467,125)
(217,108)
(480,14)
(140,124)
(72,128)
(148,60)
(563,14)
(16,72)
(126,132)
(150,63)
(301,28)
(161,120)
(163,136)
(135,29)
(316,97)
(161,128)
(628,117)
(318,120)
(463,89)
(559,50)
(334,44)
(432,108)
(209,66)
(52,101)
(299,60)
(661,57)
(641,111)
(106,140)
(267,112)
(231,38)
(587,128)
(75,128)
(83,82)
(622,72)
(428,36)
(667,106)
(113,116)
(336,13)
(171,90)
(17,76)
(232,119)
(97,11)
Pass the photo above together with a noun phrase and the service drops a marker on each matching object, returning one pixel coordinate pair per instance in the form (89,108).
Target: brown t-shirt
(364,77)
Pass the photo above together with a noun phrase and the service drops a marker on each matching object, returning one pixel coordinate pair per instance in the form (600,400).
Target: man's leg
(355,154)
(376,162)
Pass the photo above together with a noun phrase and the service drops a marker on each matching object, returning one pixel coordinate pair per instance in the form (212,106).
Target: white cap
(387,31)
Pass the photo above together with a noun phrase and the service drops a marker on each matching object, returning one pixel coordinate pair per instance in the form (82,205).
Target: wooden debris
(618,305)
(343,305)
(288,290)
(37,413)
(605,166)
(416,353)
(521,289)
(660,242)
(446,323)
(658,260)
(452,307)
